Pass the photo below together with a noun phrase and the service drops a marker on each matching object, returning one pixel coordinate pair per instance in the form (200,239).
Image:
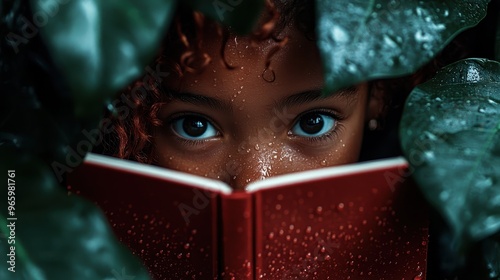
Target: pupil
(194,126)
(311,123)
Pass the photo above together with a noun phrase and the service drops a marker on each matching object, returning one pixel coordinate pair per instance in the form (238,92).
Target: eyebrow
(292,100)
(314,95)
(201,100)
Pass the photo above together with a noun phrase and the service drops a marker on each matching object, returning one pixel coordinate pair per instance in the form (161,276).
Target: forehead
(258,67)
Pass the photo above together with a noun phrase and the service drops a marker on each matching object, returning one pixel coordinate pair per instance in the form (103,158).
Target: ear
(376,102)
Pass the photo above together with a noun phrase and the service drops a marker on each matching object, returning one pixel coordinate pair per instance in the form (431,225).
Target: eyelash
(331,135)
(190,142)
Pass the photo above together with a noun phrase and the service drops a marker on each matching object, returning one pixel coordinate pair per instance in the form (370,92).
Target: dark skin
(235,126)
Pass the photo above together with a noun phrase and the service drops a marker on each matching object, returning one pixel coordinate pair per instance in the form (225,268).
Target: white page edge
(158,172)
(326,172)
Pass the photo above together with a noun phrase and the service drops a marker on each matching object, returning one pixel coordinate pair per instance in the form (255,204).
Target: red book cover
(358,221)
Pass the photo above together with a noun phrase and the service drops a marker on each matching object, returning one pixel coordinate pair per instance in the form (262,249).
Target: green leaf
(100,46)
(450,133)
(491,255)
(240,15)
(56,236)
(363,40)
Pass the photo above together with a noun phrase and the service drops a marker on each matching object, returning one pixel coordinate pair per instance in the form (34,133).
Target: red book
(358,221)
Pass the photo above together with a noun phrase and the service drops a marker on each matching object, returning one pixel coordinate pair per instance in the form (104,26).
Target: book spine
(237,236)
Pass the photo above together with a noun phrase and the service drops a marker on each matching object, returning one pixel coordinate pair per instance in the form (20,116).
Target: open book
(359,221)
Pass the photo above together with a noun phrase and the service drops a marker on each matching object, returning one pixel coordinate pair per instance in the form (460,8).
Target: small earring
(373,124)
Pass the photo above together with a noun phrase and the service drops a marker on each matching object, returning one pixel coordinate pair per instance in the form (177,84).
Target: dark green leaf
(240,15)
(450,135)
(491,255)
(100,46)
(56,236)
(363,40)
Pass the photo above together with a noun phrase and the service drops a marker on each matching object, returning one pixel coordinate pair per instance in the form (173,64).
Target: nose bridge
(245,168)
(251,161)
(253,157)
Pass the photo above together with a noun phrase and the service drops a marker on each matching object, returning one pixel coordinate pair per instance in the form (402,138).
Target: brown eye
(194,127)
(314,124)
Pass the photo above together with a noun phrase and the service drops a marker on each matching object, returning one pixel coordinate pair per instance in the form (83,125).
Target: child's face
(235,126)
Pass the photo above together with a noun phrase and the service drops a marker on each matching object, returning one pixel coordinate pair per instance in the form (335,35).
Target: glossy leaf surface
(363,40)
(450,133)
(56,236)
(240,15)
(100,46)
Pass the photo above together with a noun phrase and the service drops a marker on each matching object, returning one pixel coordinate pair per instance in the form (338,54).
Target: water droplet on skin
(323,162)
(256,147)
(186,246)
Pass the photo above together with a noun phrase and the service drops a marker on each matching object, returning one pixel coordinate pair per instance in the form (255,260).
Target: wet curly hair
(182,52)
